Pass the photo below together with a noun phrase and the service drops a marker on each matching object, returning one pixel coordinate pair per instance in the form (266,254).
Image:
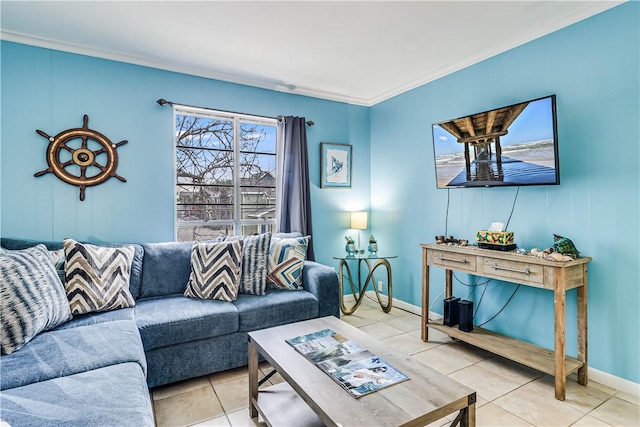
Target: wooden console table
(558,277)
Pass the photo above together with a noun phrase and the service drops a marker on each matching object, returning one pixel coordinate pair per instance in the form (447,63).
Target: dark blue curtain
(294,201)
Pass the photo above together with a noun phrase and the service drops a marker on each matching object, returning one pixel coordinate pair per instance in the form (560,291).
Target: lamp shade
(358,220)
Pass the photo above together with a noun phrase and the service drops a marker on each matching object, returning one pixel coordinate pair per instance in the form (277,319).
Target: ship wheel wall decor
(82,157)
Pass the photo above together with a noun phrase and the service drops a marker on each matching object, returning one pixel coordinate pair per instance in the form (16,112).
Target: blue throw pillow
(32,297)
(286,260)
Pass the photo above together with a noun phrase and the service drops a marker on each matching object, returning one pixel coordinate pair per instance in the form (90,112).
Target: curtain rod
(164,102)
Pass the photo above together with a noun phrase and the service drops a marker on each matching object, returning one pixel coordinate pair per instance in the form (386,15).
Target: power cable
(503,307)
(446,217)
(506,227)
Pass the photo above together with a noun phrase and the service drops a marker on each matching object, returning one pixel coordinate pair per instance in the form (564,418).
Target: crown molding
(589,9)
(277,86)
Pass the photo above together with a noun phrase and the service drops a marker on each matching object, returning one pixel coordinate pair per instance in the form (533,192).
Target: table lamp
(359,222)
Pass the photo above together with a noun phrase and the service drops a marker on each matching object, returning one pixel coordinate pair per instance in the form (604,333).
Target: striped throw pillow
(255,263)
(97,277)
(32,297)
(286,260)
(215,271)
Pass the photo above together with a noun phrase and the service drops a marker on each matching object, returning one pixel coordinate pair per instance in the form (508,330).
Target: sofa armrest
(322,282)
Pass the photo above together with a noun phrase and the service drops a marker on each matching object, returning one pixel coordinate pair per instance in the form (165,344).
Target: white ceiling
(361,52)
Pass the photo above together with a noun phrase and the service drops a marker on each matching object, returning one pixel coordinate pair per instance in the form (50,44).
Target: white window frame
(237,222)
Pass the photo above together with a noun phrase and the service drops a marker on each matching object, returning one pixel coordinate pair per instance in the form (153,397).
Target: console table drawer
(514,271)
(454,261)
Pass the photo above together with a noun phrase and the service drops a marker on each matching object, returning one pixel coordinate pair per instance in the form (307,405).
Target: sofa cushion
(115,395)
(215,271)
(32,297)
(166,268)
(136,266)
(286,262)
(274,308)
(93,318)
(64,352)
(97,278)
(175,319)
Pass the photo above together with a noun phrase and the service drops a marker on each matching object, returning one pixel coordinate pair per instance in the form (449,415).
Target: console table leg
(582,328)
(425,297)
(559,309)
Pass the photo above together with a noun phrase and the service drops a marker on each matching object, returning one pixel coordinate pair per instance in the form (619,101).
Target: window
(225,174)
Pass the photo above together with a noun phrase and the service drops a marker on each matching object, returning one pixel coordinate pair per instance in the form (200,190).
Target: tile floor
(508,394)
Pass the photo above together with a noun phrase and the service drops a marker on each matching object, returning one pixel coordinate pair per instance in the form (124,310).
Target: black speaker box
(466,315)
(451,315)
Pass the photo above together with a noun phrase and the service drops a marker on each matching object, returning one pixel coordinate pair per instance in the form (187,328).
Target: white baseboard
(612,381)
(596,375)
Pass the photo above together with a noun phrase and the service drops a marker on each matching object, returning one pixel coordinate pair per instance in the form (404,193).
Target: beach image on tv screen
(513,145)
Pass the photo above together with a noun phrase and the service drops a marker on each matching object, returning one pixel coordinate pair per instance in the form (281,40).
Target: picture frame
(335,165)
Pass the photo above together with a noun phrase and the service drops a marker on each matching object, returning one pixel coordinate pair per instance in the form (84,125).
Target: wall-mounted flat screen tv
(514,145)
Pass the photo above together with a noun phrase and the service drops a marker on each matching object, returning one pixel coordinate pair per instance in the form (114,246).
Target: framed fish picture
(335,166)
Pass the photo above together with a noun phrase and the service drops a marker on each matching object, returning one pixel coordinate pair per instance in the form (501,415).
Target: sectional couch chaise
(97,368)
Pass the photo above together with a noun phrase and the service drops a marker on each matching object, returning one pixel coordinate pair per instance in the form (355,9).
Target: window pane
(250,230)
(258,203)
(257,169)
(203,232)
(204,166)
(203,194)
(257,137)
(193,212)
(204,132)
(258,211)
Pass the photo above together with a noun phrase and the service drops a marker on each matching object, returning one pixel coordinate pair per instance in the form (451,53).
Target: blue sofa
(97,368)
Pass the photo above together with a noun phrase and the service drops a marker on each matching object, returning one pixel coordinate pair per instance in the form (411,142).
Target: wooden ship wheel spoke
(82,157)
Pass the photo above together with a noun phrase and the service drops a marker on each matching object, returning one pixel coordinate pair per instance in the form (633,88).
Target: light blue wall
(51,90)
(593,67)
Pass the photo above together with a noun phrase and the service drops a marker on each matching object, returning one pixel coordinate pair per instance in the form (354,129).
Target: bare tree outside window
(225,174)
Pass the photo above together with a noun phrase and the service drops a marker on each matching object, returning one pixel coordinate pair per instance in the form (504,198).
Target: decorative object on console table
(373,245)
(565,246)
(83,157)
(335,165)
(359,222)
(497,240)
(350,247)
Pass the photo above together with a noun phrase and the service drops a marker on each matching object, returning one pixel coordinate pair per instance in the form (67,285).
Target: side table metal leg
(359,290)
(382,262)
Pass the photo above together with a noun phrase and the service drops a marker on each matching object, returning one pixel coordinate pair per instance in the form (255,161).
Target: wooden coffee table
(310,397)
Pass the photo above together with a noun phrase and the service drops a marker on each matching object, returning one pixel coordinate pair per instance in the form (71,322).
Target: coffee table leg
(253,379)
(469,419)
(467,416)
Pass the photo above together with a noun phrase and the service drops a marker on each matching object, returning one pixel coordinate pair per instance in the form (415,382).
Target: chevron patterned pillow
(32,297)
(97,277)
(215,271)
(286,260)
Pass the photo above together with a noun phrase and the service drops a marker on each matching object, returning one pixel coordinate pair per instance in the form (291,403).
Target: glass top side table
(373,261)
